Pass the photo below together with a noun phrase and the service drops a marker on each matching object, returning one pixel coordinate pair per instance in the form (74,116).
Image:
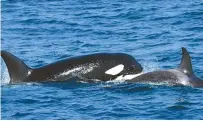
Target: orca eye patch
(115,70)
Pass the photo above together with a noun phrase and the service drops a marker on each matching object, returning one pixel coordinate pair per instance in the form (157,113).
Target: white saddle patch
(115,70)
(182,78)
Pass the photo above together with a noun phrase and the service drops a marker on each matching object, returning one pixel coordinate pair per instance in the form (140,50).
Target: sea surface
(153,31)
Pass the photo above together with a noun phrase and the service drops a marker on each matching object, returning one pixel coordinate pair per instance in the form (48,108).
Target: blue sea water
(153,31)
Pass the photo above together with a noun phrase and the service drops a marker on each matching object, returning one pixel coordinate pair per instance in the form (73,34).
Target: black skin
(100,61)
(183,75)
(156,77)
(167,77)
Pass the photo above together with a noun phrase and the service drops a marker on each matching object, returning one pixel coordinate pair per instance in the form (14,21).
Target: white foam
(5,79)
(150,66)
(115,70)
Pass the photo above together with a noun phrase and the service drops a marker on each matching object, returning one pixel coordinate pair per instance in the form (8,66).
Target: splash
(150,66)
(5,79)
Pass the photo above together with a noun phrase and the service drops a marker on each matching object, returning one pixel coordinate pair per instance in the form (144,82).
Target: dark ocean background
(153,31)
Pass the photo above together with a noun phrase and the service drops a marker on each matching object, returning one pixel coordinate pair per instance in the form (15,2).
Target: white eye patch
(115,70)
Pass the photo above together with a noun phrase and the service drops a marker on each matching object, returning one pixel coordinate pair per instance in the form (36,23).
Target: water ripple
(40,32)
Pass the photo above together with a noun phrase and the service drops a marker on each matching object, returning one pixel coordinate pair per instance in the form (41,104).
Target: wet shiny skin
(41,32)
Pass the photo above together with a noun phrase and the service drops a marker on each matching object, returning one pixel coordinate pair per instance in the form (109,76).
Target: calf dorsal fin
(186,64)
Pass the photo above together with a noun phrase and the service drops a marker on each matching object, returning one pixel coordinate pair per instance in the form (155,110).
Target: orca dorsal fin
(17,69)
(186,64)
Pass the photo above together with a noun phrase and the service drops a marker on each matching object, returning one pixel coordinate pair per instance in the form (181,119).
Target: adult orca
(100,66)
(183,75)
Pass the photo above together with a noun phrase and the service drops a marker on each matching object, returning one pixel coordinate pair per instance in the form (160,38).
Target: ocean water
(153,31)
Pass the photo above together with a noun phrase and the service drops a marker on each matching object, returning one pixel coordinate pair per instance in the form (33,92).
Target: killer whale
(99,66)
(183,75)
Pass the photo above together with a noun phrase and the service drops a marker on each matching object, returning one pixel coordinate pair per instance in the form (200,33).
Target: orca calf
(183,75)
(100,66)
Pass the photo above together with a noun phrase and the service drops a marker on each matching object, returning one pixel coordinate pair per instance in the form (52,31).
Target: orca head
(121,69)
(133,69)
(123,72)
(186,68)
